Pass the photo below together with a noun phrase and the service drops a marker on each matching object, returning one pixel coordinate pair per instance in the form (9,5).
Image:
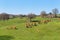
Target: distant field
(49,31)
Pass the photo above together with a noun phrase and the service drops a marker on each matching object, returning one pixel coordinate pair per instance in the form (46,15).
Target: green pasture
(49,31)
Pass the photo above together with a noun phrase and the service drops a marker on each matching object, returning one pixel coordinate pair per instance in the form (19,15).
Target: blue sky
(28,6)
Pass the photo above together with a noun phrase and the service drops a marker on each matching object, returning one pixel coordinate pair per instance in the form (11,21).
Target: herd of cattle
(31,24)
(35,23)
(27,24)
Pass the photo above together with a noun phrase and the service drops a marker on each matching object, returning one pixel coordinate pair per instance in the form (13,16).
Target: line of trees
(52,14)
(43,14)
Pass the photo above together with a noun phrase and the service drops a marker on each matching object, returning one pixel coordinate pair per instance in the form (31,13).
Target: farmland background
(49,31)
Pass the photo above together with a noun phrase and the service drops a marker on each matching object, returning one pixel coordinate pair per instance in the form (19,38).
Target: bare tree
(30,16)
(43,14)
(4,16)
(55,11)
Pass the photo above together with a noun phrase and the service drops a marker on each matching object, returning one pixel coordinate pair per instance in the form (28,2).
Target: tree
(21,16)
(4,16)
(55,11)
(30,16)
(50,13)
(43,14)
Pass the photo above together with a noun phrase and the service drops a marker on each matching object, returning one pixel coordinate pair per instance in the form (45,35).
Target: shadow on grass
(6,37)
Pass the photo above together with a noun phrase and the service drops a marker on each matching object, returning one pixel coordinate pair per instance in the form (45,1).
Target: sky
(28,6)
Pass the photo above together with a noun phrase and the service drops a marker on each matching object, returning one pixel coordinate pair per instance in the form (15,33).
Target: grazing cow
(45,21)
(48,20)
(13,27)
(34,23)
(28,25)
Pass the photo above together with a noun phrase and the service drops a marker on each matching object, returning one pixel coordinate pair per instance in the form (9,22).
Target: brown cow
(48,20)
(45,21)
(34,23)
(13,27)
(28,25)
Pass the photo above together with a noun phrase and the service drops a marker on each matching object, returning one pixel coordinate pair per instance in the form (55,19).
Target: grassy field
(49,31)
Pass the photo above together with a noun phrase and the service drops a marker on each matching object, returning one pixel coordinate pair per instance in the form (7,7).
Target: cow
(28,25)
(45,21)
(13,27)
(34,23)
